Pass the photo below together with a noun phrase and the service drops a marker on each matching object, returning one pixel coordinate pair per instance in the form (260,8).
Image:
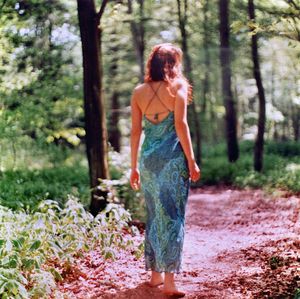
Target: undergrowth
(30,241)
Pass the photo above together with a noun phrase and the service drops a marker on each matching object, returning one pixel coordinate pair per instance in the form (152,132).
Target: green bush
(26,188)
(29,241)
(281,167)
(119,165)
(283,149)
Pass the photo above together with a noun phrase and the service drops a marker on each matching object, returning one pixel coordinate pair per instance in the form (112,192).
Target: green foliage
(283,149)
(30,240)
(119,186)
(46,171)
(297,294)
(25,188)
(281,167)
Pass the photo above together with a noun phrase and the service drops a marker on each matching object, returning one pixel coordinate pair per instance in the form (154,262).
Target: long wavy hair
(165,64)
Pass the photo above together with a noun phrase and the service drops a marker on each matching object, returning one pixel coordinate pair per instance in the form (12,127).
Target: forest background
(42,125)
(67,73)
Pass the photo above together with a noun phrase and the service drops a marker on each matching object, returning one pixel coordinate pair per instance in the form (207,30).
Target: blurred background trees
(42,126)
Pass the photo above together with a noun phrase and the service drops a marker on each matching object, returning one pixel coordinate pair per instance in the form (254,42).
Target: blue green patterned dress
(165,186)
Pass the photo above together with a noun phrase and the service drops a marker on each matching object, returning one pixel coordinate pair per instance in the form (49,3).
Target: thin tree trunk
(238,109)
(182,18)
(225,58)
(243,113)
(138,36)
(206,43)
(284,130)
(275,133)
(296,122)
(114,134)
(94,106)
(259,142)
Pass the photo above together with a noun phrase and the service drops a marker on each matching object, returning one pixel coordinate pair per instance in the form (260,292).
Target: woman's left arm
(135,136)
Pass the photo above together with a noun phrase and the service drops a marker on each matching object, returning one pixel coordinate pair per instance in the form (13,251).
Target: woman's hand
(135,179)
(194,170)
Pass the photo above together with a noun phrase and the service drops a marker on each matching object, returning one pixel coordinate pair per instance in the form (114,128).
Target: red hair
(165,64)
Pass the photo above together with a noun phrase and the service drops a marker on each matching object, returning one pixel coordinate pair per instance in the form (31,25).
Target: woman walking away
(166,163)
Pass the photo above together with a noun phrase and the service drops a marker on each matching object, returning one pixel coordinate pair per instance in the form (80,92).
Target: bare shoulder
(139,88)
(180,83)
(137,91)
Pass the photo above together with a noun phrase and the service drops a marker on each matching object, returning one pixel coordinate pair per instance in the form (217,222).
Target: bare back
(155,101)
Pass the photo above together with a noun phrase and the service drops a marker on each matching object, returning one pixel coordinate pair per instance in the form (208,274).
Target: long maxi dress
(165,186)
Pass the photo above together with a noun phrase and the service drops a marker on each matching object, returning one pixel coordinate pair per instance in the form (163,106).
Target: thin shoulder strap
(155,93)
(152,95)
(159,97)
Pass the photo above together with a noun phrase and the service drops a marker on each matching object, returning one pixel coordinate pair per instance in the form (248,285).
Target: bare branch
(101,11)
(185,11)
(294,4)
(179,10)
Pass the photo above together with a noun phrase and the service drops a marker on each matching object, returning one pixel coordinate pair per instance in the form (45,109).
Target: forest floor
(238,244)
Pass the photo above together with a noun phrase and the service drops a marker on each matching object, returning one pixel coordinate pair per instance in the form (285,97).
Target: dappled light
(96,198)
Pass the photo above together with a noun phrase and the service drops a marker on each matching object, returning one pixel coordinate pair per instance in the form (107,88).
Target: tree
(225,59)
(138,36)
(182,18)
(206,43)
(259,142)
(34,52)
(94,107)
(296,122)
(114,134)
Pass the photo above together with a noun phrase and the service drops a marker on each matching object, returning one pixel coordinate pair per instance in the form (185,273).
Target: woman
(166,163)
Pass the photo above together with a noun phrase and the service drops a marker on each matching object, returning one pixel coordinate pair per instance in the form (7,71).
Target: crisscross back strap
(155,94)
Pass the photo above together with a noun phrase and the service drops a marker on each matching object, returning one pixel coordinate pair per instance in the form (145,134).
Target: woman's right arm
(182,128)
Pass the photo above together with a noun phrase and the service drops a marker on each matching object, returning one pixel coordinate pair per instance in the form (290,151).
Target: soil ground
(238,244)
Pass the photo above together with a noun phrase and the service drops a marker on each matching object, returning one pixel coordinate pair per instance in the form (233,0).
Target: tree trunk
(283,136)
(114,134)
(275,133)
(225,59)
(182,18)
(296,122)
(259,142)
(206,43)
(94,106)
(138,36)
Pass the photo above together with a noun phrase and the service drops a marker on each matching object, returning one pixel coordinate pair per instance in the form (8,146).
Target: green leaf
(17,243)
(56,274)
(2,242)
(5,296)
(13,262)
(12,286)
(108,254)
(28,263)
(35,245)
(111,239)
(2,287)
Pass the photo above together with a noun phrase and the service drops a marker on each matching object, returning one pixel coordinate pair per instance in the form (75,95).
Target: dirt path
(238,244)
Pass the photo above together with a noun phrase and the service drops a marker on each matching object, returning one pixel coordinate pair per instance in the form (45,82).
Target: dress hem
(164,271)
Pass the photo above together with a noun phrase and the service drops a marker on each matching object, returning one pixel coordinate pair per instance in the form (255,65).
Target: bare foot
(174,293)
(171,290)
(156,279)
